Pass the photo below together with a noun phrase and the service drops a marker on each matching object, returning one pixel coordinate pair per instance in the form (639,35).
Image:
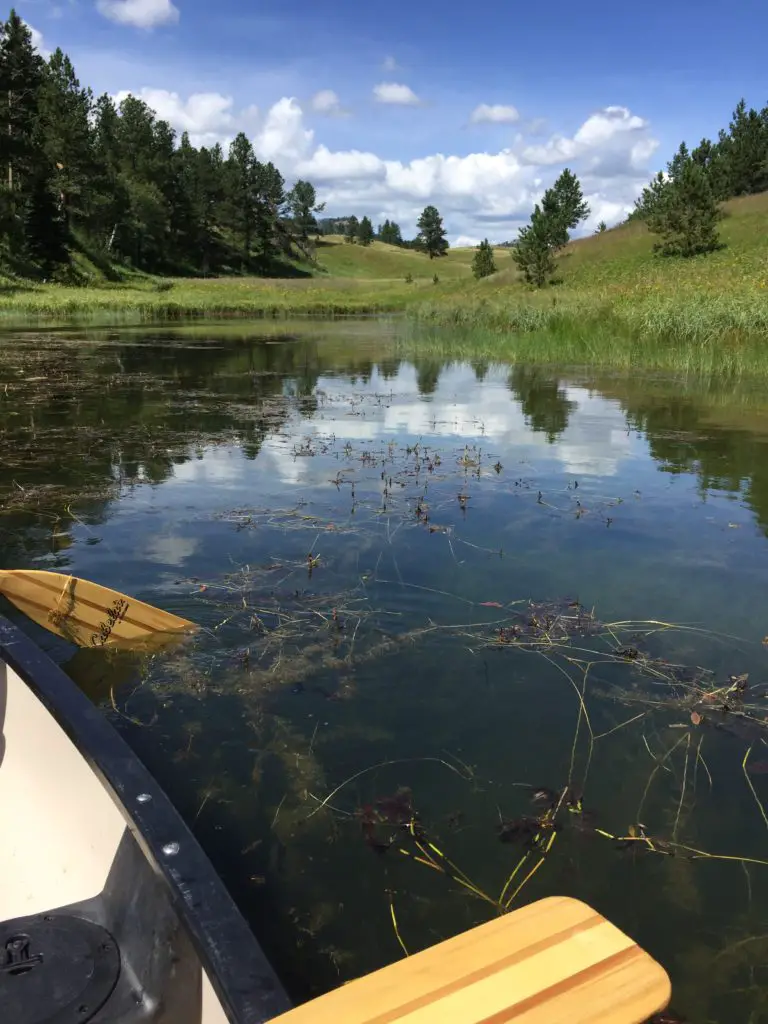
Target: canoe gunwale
(237,967)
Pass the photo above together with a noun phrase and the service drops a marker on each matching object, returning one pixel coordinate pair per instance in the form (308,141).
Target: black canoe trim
(241,975)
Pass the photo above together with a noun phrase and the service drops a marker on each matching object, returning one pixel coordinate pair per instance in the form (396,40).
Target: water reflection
(545,404)
(359,531)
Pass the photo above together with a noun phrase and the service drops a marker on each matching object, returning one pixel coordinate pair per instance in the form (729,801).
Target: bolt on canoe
(109,909)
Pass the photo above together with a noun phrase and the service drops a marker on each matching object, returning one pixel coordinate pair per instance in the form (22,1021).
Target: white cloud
(283,138)
(327,102)
(482,194)
(607,123)
(611,142)
(37,41)
(394,93)
(556,150)
(642,152)
(467,242)
(494,114)
(612,211)
(139,13)
(207,116)
(347,165)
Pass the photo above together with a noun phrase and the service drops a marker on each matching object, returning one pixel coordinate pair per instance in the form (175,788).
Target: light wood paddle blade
(556,961)
(86,613)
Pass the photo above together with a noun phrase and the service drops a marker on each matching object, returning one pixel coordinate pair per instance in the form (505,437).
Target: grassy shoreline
(616,301)
(193,299)
(689,315)
(684,318)
(582,344)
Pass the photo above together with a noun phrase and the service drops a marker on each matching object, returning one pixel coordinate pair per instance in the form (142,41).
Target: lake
(473,633)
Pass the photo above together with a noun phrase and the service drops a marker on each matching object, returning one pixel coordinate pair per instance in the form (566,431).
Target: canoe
(109,909)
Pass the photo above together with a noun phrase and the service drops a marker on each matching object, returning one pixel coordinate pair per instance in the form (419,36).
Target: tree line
(80,175)
(681,204)
(431,238)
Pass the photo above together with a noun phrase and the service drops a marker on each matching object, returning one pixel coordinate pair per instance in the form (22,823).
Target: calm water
(362,535)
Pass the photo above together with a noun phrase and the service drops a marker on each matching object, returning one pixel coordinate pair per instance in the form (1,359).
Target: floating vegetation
(550,824)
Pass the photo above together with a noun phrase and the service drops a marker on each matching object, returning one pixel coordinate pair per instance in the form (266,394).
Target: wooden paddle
(86,613)
(556,961)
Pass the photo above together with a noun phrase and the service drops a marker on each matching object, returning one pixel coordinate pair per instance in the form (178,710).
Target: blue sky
(375,105)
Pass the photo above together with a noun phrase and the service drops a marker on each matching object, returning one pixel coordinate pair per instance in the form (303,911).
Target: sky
(389,108)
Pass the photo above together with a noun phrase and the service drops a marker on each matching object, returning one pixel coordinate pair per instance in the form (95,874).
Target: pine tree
(117,184)
(142,153)
(390,233)
(711,157)
(210,183)
(483,264)
(45,229)
(737,164)
(679,161)
(108,198)
(685,214)
(564,207)
(272,238)
(64,136)
(303,205)
(533,252)
(365,232)
(747,152)
(21,75)
(652,196)
(431,236)
(704,154)
(601,227)
(241,191)
(187,207)
(353,226)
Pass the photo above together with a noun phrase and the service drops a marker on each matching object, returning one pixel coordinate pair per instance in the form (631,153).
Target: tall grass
(684,318)
(216,297)
(578,342)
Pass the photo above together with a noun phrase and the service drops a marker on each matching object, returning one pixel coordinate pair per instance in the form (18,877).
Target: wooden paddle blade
(86,613)
(552,962)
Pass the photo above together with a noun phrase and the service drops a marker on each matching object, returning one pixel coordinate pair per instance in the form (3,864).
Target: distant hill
(338,258)
(620,256)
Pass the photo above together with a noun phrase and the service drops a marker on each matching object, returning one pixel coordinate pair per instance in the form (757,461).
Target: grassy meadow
(347,280)
(615,301)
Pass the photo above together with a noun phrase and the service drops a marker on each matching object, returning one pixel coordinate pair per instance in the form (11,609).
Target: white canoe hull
(96,863)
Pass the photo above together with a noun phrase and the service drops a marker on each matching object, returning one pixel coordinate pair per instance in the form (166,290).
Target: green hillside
(616,282)
(388,262)
(623,256)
